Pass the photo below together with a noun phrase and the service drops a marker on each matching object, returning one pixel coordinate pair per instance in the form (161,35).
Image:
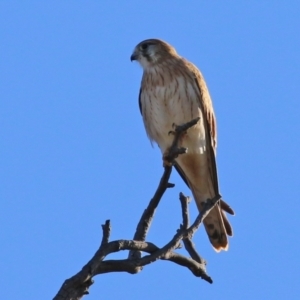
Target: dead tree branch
(78,285)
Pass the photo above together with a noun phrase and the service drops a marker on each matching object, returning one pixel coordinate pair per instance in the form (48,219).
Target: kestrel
(173,91)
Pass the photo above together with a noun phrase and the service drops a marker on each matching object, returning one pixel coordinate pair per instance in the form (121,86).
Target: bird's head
(152,52)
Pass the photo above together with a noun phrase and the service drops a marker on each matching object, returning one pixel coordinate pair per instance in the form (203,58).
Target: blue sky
(74,151)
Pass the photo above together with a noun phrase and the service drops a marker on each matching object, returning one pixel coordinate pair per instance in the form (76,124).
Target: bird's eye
(144,46)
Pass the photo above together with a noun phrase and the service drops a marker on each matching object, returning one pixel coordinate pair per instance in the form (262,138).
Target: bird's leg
(178,132)
(174,131)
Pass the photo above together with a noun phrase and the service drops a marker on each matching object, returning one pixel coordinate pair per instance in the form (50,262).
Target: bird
(173,91)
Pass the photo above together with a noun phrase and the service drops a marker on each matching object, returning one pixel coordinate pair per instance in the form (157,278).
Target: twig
(106,232)
(188,243)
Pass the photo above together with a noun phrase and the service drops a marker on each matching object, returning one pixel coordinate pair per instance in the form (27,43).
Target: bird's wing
(140,102)
(209,121)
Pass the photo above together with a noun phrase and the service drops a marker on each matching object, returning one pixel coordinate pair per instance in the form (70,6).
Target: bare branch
(185,212)
(188,243)
(147,217)
(77,286)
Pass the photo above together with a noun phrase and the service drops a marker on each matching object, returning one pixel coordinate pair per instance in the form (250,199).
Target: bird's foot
(177,129)
(178,132)
(171,154)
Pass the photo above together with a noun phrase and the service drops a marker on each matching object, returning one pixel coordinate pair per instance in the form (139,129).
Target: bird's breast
(173,101)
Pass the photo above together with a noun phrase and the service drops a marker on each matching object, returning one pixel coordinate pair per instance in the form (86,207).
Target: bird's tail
(216,223)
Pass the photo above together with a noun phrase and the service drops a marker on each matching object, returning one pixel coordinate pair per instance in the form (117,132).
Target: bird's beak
(134,56)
